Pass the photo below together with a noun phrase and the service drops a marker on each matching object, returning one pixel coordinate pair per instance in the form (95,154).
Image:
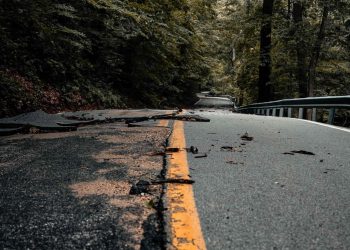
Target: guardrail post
(274,112)
(301,113)
(290,112)
(331,115)
(281,112)
(314,114)
(267,111)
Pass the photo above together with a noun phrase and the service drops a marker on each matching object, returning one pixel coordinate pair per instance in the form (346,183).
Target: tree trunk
(316,52)
(248,6)
(289,6)
(298,10)
(265,90)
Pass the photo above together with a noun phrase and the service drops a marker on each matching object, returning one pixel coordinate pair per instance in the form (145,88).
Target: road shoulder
(71,189)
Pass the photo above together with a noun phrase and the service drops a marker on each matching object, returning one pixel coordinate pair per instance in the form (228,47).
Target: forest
(86,54)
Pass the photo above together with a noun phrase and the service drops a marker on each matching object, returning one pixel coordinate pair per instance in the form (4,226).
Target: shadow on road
(56,194)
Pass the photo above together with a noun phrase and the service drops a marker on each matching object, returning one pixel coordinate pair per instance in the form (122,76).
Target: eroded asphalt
(253,192)
(260,183)
(71,190)
(40,121)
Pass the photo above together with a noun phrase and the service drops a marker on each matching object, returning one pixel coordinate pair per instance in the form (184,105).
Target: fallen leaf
(303,152)
(246,137)
(201,156)
(232,162)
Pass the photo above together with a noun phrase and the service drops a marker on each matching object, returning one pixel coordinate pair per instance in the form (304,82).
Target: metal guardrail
(284,108)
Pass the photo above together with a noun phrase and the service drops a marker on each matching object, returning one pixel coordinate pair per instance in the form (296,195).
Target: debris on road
(141,187)
(130,117)
(303,152)
(81,181)
(40,120)
(191,118)
(113,115)
(201,156)
(329,170)
(281,185)
(176,181)
(159,153)
(172,150)
(231,149)
(69,121)
(246,137)
(152,204)
(234,162)
(192,149)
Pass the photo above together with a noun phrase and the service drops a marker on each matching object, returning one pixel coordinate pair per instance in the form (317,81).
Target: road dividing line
(184,222)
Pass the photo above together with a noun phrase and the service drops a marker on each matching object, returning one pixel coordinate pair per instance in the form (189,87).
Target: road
(260,195)
(71,190)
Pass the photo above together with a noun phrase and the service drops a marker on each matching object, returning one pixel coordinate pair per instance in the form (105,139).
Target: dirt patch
(100,186)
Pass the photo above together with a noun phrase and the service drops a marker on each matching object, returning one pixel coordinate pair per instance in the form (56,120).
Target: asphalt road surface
(259,194)
(72,190)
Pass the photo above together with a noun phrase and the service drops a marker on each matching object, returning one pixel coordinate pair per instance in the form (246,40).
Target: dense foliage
(65,54)
(58,54)
(310,47)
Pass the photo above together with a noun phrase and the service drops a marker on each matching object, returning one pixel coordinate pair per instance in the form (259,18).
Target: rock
(246,137)
(140,188)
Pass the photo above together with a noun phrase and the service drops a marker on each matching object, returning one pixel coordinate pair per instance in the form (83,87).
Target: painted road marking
(185,226)
(327,125)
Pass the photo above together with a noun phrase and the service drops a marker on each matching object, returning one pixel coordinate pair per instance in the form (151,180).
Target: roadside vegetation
(68,55)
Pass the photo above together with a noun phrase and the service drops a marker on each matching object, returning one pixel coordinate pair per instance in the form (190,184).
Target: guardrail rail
(284,108)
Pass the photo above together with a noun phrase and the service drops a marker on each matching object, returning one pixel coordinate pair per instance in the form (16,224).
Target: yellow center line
(185,224)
